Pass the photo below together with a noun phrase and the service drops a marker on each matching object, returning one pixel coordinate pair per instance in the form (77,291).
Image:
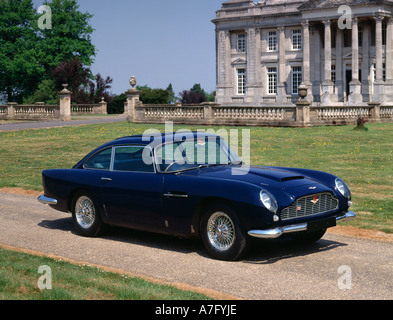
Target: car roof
(156,138)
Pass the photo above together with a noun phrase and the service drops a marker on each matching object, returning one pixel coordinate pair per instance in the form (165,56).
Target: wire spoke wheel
(85,212)
(221,231)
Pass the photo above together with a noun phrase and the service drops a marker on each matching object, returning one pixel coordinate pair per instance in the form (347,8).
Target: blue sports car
(191,184)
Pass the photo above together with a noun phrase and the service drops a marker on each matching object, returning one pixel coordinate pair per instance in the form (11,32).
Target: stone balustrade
(299,114)
(290,116)
(42,111)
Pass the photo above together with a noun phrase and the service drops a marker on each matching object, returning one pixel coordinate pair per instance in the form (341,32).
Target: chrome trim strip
(277,232)
(45,200)
(175,195)
(346,217)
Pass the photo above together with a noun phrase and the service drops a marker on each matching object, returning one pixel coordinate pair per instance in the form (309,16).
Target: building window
(272,80)
(272,41)
(296,79)
(241,43)
(333,74)
(241,81)
(374,71)
(297,39)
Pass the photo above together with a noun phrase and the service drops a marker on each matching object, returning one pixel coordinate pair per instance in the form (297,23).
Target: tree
(20,69)
(171,94)
(29,55)
(98,90)
(46,92)
(69,37)
(154,96)
(77,76)
(81,82)
(195,95)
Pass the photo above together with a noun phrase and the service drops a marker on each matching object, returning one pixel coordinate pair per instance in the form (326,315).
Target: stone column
(303,108)
(251,66)
(327,84)
(11,110)
(306,60)
(339,65)
(103,106)
(378,84)
(389,61)
(132,101)
(355,86)
(366,62)
(281,90)
(65,103)
(223,67)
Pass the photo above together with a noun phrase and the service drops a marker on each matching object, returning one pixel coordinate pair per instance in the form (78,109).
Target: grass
(364,159)
(19,281)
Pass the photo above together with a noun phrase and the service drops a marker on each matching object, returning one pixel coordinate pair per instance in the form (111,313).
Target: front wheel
(222,233)
(85,216)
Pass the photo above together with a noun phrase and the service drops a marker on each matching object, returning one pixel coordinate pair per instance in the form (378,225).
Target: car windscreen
(194,153)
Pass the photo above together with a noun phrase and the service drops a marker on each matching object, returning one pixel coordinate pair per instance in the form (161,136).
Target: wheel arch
(201,208)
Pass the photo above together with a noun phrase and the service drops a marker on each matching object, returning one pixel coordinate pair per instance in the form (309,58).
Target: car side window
(100,161)
(133,159)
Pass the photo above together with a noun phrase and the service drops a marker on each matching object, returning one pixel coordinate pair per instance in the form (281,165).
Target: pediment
(349,56)
(329,4)
(239,61)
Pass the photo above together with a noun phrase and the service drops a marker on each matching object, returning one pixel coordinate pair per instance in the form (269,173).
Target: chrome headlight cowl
(268,201)
(342,187)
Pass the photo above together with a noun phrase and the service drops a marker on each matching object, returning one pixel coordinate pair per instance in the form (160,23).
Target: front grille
(310,205)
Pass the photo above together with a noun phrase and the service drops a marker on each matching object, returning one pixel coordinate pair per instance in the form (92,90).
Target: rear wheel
(86,218)
(222,233)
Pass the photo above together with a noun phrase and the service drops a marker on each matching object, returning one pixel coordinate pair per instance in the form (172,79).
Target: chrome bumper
(45,200)
(277,232)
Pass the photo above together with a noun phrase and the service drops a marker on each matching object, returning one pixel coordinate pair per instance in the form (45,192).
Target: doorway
(348,79)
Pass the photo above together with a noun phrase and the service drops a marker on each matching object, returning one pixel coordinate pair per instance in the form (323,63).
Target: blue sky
(158,41)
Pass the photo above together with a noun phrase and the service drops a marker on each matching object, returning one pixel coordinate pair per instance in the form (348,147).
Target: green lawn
(364,159)
(19,281)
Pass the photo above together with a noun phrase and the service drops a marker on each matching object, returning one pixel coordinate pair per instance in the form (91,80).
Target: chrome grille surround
(304,206)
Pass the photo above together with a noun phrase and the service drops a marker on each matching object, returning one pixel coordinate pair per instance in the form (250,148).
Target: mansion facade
(341,50)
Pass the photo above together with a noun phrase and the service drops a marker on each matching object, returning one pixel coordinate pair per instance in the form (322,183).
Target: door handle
(176,195)
(106,179)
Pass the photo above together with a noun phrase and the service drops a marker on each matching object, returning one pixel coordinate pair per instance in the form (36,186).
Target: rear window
(100,161)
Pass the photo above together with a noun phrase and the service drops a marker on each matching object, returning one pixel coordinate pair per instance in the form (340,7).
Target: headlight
(343,188)
(268,201)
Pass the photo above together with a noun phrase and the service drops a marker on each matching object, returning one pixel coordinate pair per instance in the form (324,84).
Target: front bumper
(45,200)
(277,232)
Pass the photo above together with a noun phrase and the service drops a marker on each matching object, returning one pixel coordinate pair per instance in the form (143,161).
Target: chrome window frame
(112,158)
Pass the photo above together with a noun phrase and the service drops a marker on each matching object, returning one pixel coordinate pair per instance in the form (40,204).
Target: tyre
(222,233)
(309,237)
(87,220)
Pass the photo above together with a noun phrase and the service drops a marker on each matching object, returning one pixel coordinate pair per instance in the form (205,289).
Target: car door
(132,190)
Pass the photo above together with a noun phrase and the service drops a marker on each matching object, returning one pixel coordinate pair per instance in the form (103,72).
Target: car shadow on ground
(260,252)
(271,251)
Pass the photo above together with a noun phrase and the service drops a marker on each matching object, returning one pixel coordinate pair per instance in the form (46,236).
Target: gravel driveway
(274,269)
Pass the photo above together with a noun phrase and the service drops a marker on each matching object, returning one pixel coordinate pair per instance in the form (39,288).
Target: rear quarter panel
(63,184)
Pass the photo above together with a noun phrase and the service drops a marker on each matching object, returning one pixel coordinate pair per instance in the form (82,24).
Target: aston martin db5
(192,184)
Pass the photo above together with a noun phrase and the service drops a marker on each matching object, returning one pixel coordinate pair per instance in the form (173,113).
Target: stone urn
(302,91)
